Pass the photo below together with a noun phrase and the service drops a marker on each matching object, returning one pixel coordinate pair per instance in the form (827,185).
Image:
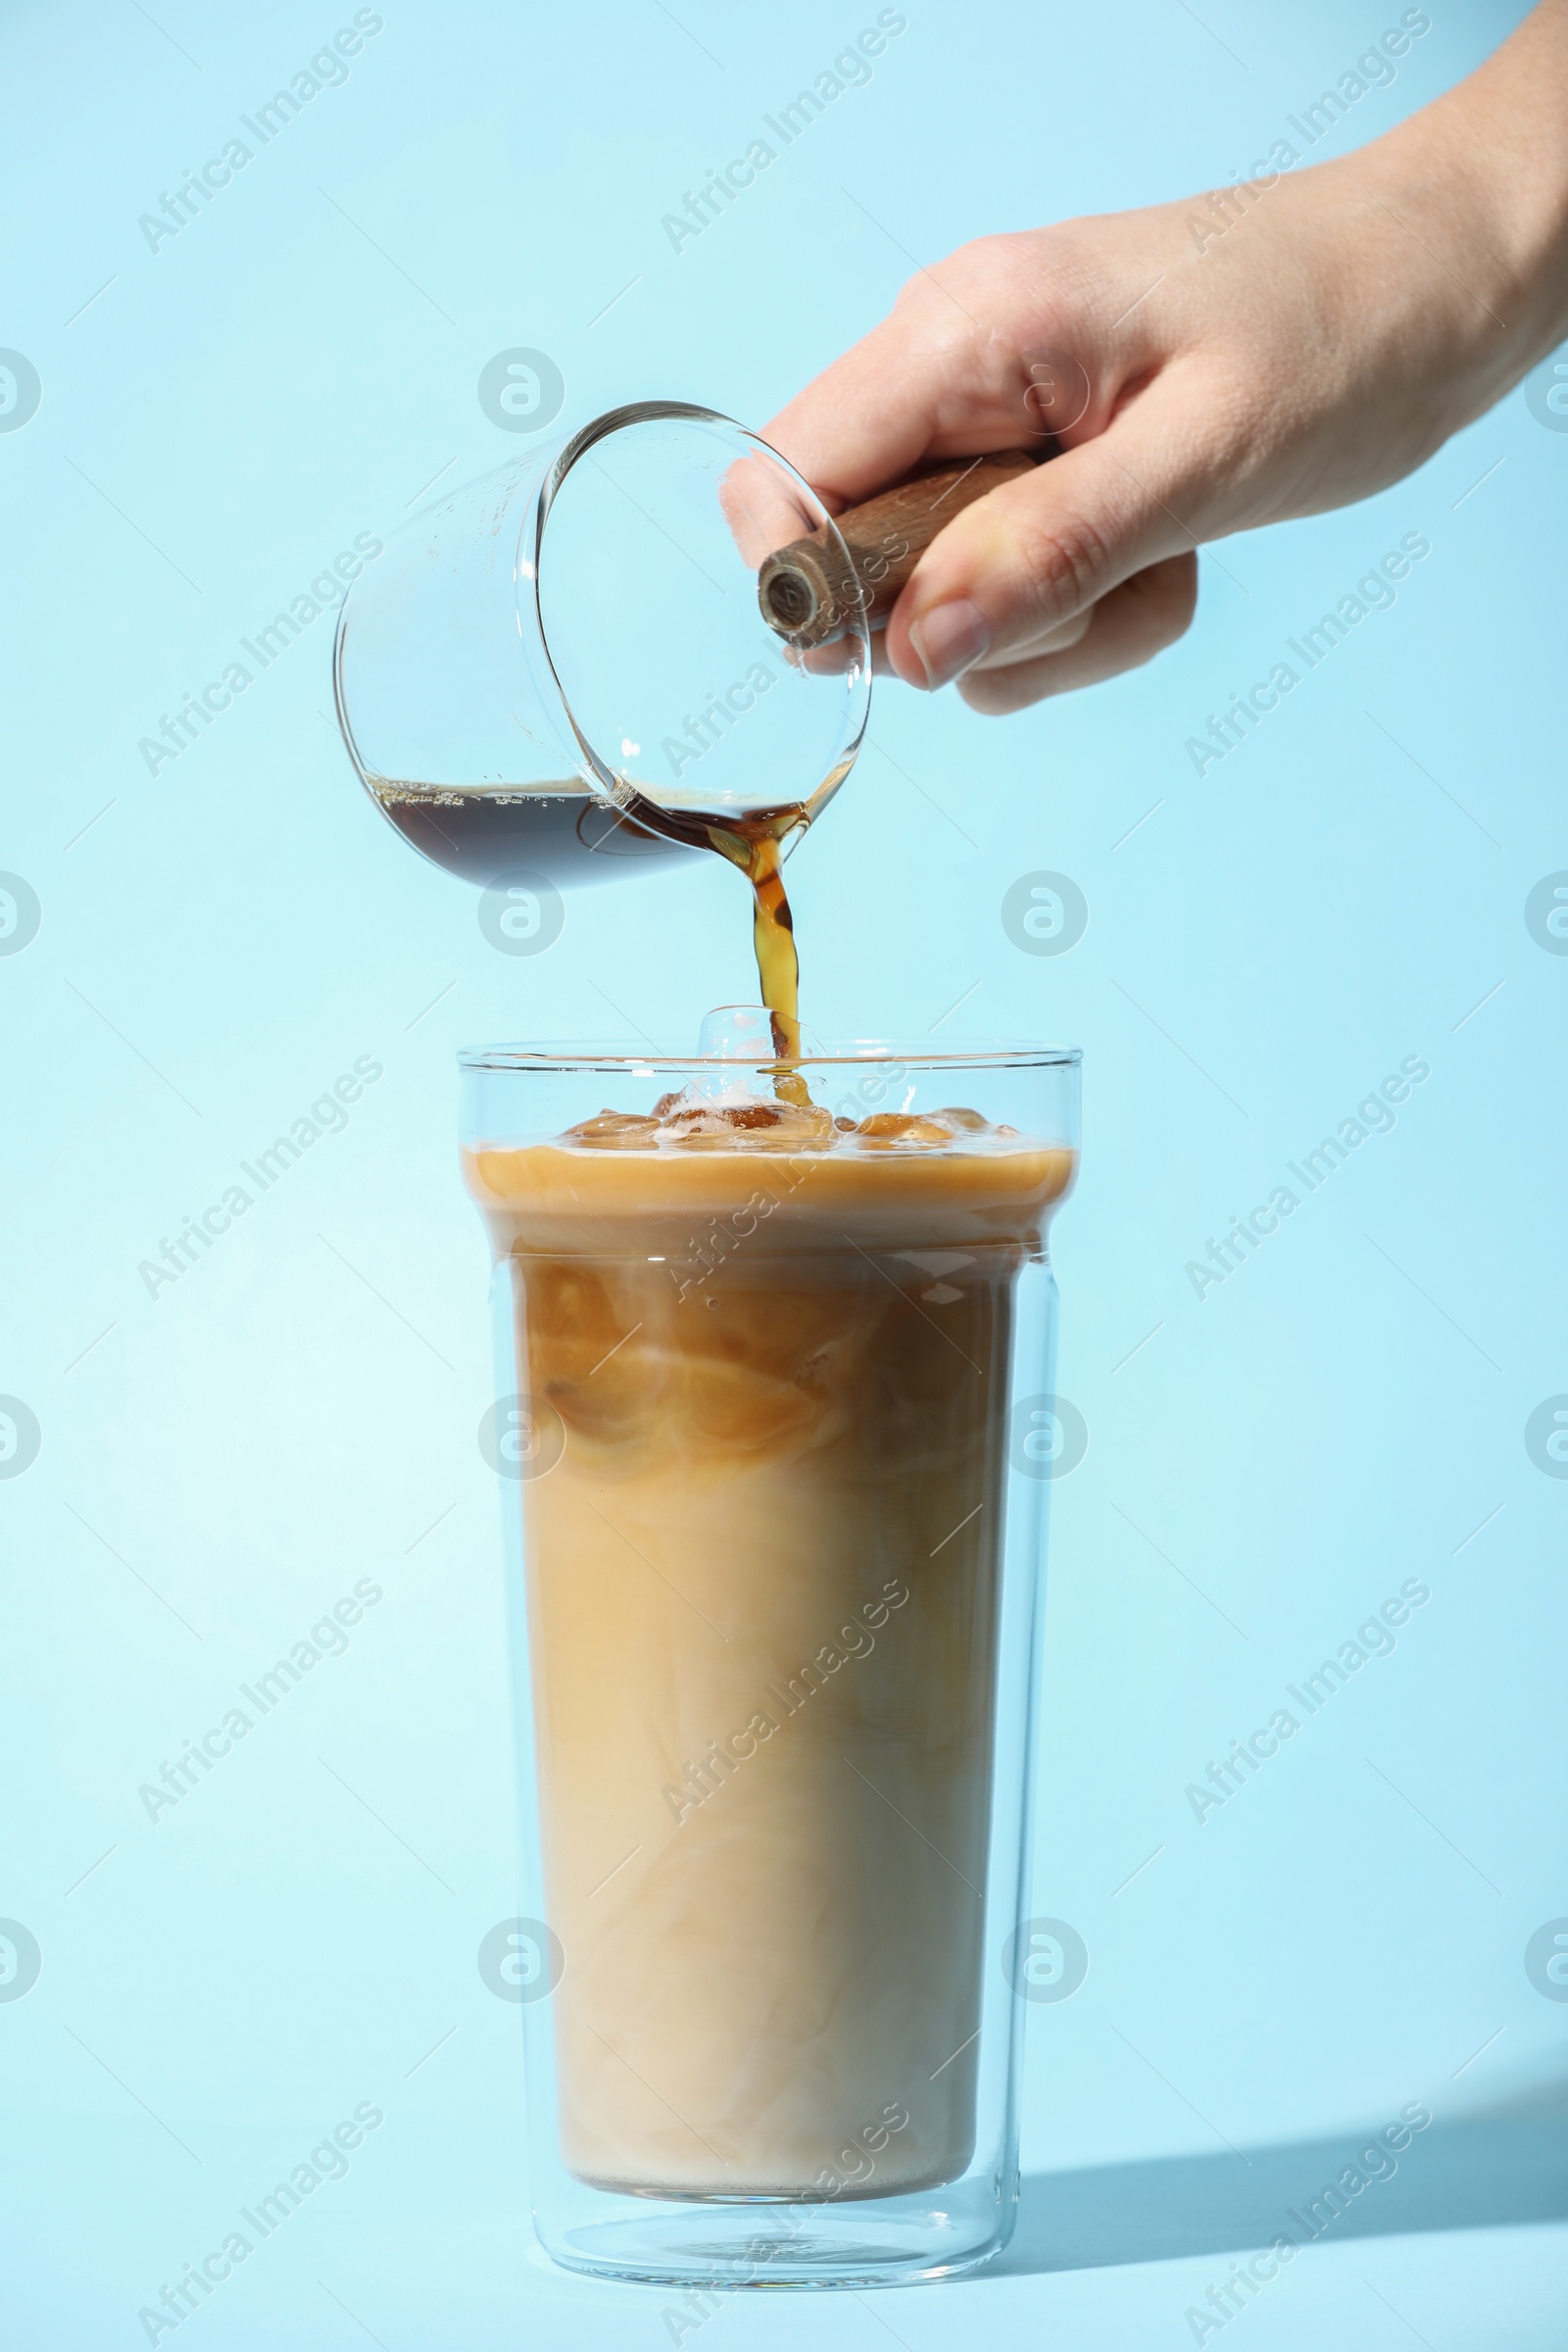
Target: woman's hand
(1273,350)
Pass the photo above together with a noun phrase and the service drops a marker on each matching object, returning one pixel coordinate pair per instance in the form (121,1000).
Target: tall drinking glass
(774,1433)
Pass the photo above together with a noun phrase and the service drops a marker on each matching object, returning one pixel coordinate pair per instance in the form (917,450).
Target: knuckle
(1184,605)
(1063,562)
(987,257)
(994,694)
(990,266)
(1170,592)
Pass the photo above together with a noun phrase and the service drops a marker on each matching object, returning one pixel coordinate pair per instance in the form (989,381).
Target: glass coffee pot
(565,668)
(648,638)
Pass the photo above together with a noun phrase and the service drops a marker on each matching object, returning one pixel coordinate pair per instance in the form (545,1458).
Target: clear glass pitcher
(564,667)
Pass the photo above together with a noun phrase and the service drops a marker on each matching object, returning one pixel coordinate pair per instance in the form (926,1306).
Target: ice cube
(754,1123)
(887,1129)
(736,1033)
(614,1131)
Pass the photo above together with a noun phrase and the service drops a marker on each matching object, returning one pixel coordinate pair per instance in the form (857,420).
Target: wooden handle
(803,590)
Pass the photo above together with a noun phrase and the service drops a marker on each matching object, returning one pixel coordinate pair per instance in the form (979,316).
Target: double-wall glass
(774,1433)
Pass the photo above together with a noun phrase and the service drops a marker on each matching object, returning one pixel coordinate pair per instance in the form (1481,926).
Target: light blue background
(218,1465)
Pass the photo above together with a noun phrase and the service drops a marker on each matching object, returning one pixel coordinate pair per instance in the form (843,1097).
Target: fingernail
(949,639)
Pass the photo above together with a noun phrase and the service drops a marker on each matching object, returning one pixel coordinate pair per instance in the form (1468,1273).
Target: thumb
(1035,555)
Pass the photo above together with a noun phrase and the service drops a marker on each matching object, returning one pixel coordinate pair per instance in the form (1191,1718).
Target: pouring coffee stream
(757,847)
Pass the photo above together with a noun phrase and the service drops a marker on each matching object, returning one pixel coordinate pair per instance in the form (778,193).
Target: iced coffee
(766,1353)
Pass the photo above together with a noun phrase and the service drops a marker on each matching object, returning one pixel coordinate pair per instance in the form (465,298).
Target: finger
(875,413)
(951,371)
(1049,641)
(1036,553)
(1054,641)
(1008,341)
(765,507)
(834,658)
(1125,629)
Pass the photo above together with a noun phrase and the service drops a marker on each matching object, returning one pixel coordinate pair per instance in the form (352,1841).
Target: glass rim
(615,1059)
(604,779)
